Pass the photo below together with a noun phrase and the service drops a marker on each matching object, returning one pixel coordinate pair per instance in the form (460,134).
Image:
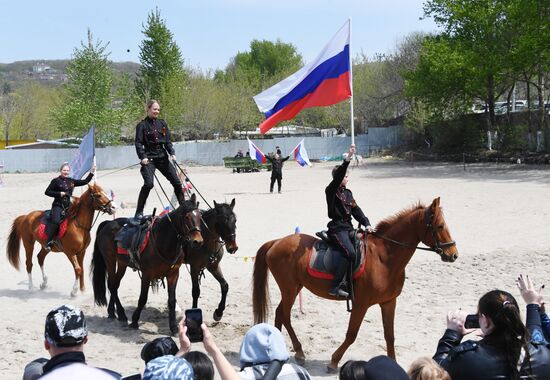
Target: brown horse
(161,257)
(381,282)
(73,243)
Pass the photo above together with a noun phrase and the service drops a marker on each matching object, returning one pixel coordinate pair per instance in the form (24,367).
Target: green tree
(88,97)
(160,59)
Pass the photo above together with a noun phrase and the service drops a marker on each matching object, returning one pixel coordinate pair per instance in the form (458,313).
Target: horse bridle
(106,207)
(438,246)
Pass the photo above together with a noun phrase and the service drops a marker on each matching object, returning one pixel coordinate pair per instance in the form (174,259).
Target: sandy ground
(497,214)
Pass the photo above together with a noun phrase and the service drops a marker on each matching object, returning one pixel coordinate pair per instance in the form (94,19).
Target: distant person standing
(155,151)
(276,170)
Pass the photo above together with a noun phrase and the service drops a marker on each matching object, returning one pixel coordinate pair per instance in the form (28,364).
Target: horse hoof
(217,316)
(111,316)
(300,360)
(73,294)
(43,286)
(332,370)
(133,326)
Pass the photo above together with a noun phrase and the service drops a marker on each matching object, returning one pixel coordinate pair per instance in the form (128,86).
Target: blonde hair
(151,102)
(426,368)
(63,165)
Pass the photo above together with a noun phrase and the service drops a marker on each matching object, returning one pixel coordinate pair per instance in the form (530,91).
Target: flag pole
(351,86)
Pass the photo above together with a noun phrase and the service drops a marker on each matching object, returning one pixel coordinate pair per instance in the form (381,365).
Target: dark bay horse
(389,251)
(73,243)
(218,229)
(162,257)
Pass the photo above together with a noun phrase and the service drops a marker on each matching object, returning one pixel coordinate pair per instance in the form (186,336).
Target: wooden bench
(244,164)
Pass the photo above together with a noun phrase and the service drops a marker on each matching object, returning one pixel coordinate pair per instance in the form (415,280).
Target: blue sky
(208,32)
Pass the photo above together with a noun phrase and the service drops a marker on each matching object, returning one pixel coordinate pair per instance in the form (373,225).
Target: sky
(208,32)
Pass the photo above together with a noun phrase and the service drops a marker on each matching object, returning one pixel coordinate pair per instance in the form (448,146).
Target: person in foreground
(65,336)
(425,368)
(341,207)
(61,190)
(153,145)
(264,355)
(378,368)
(507,350)
(201,368)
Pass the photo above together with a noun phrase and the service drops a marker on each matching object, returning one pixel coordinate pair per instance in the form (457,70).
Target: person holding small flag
(341,208)
(276,170)
(155,151)
(61,190)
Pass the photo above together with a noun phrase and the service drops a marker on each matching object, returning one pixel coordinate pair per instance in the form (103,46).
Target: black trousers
(275,177)
(344,243)
(148,173)
(55,220)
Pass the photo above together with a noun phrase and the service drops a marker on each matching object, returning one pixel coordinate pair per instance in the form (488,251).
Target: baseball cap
(65,326)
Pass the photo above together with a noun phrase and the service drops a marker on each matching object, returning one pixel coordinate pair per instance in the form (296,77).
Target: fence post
(464,160)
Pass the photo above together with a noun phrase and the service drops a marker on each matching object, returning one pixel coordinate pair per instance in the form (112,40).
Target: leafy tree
(160,59)
(88,98)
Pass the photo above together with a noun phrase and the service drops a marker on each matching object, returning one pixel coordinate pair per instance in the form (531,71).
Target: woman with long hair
(507,350)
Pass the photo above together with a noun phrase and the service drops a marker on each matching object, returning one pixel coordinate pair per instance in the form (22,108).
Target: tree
(8,110)
(88,98)
(160,59)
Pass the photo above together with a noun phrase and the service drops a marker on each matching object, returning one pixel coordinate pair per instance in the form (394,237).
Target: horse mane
(385,224)
(184,208)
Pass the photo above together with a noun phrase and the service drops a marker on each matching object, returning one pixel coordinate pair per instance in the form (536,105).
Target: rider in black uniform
(341,207)
(61,189)
(153,146)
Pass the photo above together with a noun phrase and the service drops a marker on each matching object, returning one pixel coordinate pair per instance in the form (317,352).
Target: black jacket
(153,139)
(341,204)
(486,360)
(68,358)
(65,185)
(277,165)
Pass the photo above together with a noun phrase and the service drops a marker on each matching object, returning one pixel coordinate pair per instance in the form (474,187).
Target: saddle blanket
(42,228)
(324,259)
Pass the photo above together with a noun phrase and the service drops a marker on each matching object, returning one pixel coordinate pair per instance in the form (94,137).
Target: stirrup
(339,291)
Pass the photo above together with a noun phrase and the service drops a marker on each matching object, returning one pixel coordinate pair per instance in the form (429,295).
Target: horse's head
(100,200)
(226,225)
(190,222)
(437,234)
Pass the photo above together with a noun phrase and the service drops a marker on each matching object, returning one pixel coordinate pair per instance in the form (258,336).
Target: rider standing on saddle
(61,189)
(153,146)
(341,207)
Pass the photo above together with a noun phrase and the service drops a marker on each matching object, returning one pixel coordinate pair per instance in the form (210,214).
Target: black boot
(51,231)
(143,194)
(339,284)
(180,196)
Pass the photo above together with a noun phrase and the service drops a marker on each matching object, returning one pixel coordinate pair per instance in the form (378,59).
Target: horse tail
(14,241)
(98,269)
(260,289)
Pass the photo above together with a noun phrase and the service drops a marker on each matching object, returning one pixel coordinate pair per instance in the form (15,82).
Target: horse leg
(224,287)
(172,281)
(77,273)
(141,302)
(195,287)
(113,284)
(80,261)
(41,257)
(388,317)
(282,315)
(29,247)
(355,320)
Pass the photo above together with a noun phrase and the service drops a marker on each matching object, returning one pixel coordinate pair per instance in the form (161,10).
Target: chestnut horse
(161,257)
(218,230)
(381,282)
(73,243)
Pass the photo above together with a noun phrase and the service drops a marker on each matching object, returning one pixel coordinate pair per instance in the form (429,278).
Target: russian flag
(256,153)
(300,154)
(323,82)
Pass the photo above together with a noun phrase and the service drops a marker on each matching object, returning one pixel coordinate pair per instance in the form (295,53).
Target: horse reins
(102,208)
(438,248)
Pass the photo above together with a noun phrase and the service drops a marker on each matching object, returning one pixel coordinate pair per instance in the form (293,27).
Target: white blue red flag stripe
(256,153)
(300,154)
(84,158)
(323,82)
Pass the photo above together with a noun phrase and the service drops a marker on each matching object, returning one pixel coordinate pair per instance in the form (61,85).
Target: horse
(218,229)
(389,250)
(161,257)
(73,242)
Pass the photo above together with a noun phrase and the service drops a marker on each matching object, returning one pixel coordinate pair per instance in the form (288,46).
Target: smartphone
(472,321)
(193,321)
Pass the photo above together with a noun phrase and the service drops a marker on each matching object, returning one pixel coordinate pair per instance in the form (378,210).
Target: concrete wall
(202,152)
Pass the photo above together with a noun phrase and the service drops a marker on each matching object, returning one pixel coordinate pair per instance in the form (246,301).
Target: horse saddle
(325,257)
(132,239)
(45,220)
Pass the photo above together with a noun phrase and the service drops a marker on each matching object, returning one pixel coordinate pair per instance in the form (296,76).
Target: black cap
(159,347)
(65,326)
